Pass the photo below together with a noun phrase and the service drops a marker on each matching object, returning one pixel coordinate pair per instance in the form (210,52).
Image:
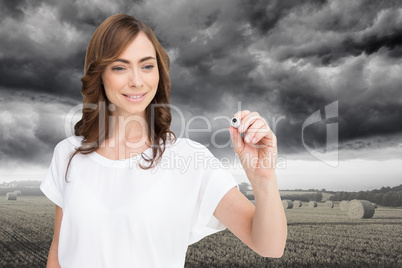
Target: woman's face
(133,74)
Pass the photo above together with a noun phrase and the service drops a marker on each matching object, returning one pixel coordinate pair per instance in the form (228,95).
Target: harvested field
(318,237)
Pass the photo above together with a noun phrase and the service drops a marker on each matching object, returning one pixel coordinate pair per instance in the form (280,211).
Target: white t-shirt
(116,214)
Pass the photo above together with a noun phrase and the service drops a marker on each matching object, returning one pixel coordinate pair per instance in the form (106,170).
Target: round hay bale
(18,193)
(312,204)
(359,209)
(287,204)
(11,196)
(343,205)
(329,204)
(374,205)
(297,203)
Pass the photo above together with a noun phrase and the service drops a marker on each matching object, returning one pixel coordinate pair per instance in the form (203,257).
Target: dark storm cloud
(89,15)
(264,15)
(212,59)
(385,33)
(324,34)
(53,77)
(280,58)
(11,8)
(30,127)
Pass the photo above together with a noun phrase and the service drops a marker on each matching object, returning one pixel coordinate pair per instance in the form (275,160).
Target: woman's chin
(138,111)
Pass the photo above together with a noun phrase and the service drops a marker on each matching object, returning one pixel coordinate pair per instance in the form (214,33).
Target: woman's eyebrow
(141,60)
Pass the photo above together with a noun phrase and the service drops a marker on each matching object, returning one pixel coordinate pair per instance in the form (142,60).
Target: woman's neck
(131,132)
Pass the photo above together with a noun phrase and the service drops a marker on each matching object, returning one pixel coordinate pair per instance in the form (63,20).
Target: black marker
(235,122)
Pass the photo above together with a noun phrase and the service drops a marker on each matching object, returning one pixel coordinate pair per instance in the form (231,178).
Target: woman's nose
(135,79)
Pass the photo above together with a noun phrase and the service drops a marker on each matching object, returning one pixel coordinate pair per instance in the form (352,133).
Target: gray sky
(283,59)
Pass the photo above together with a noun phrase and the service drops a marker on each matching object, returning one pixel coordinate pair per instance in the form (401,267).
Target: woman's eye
(148,67)
(118,68)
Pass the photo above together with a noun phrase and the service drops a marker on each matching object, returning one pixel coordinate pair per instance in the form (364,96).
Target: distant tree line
(304,197)
(386,196)
(28,191)
(245,187)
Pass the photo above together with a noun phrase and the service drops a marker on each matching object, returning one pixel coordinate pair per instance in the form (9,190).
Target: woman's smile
(134,98)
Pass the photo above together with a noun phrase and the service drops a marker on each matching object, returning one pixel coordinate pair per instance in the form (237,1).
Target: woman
(117,202)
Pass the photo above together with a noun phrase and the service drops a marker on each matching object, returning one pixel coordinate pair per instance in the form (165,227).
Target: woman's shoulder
(69,143)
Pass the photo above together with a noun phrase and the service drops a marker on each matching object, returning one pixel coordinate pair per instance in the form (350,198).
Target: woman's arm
(269,228)
(263,227)
(53,259)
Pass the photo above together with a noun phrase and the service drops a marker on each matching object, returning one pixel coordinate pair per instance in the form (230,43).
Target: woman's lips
(134,99)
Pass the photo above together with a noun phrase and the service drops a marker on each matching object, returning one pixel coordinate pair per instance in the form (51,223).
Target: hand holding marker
(258,150)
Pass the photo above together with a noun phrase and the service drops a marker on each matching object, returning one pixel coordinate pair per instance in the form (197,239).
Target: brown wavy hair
(108,41)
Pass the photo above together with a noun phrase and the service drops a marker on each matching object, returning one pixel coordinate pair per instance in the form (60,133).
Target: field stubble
(317,237)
